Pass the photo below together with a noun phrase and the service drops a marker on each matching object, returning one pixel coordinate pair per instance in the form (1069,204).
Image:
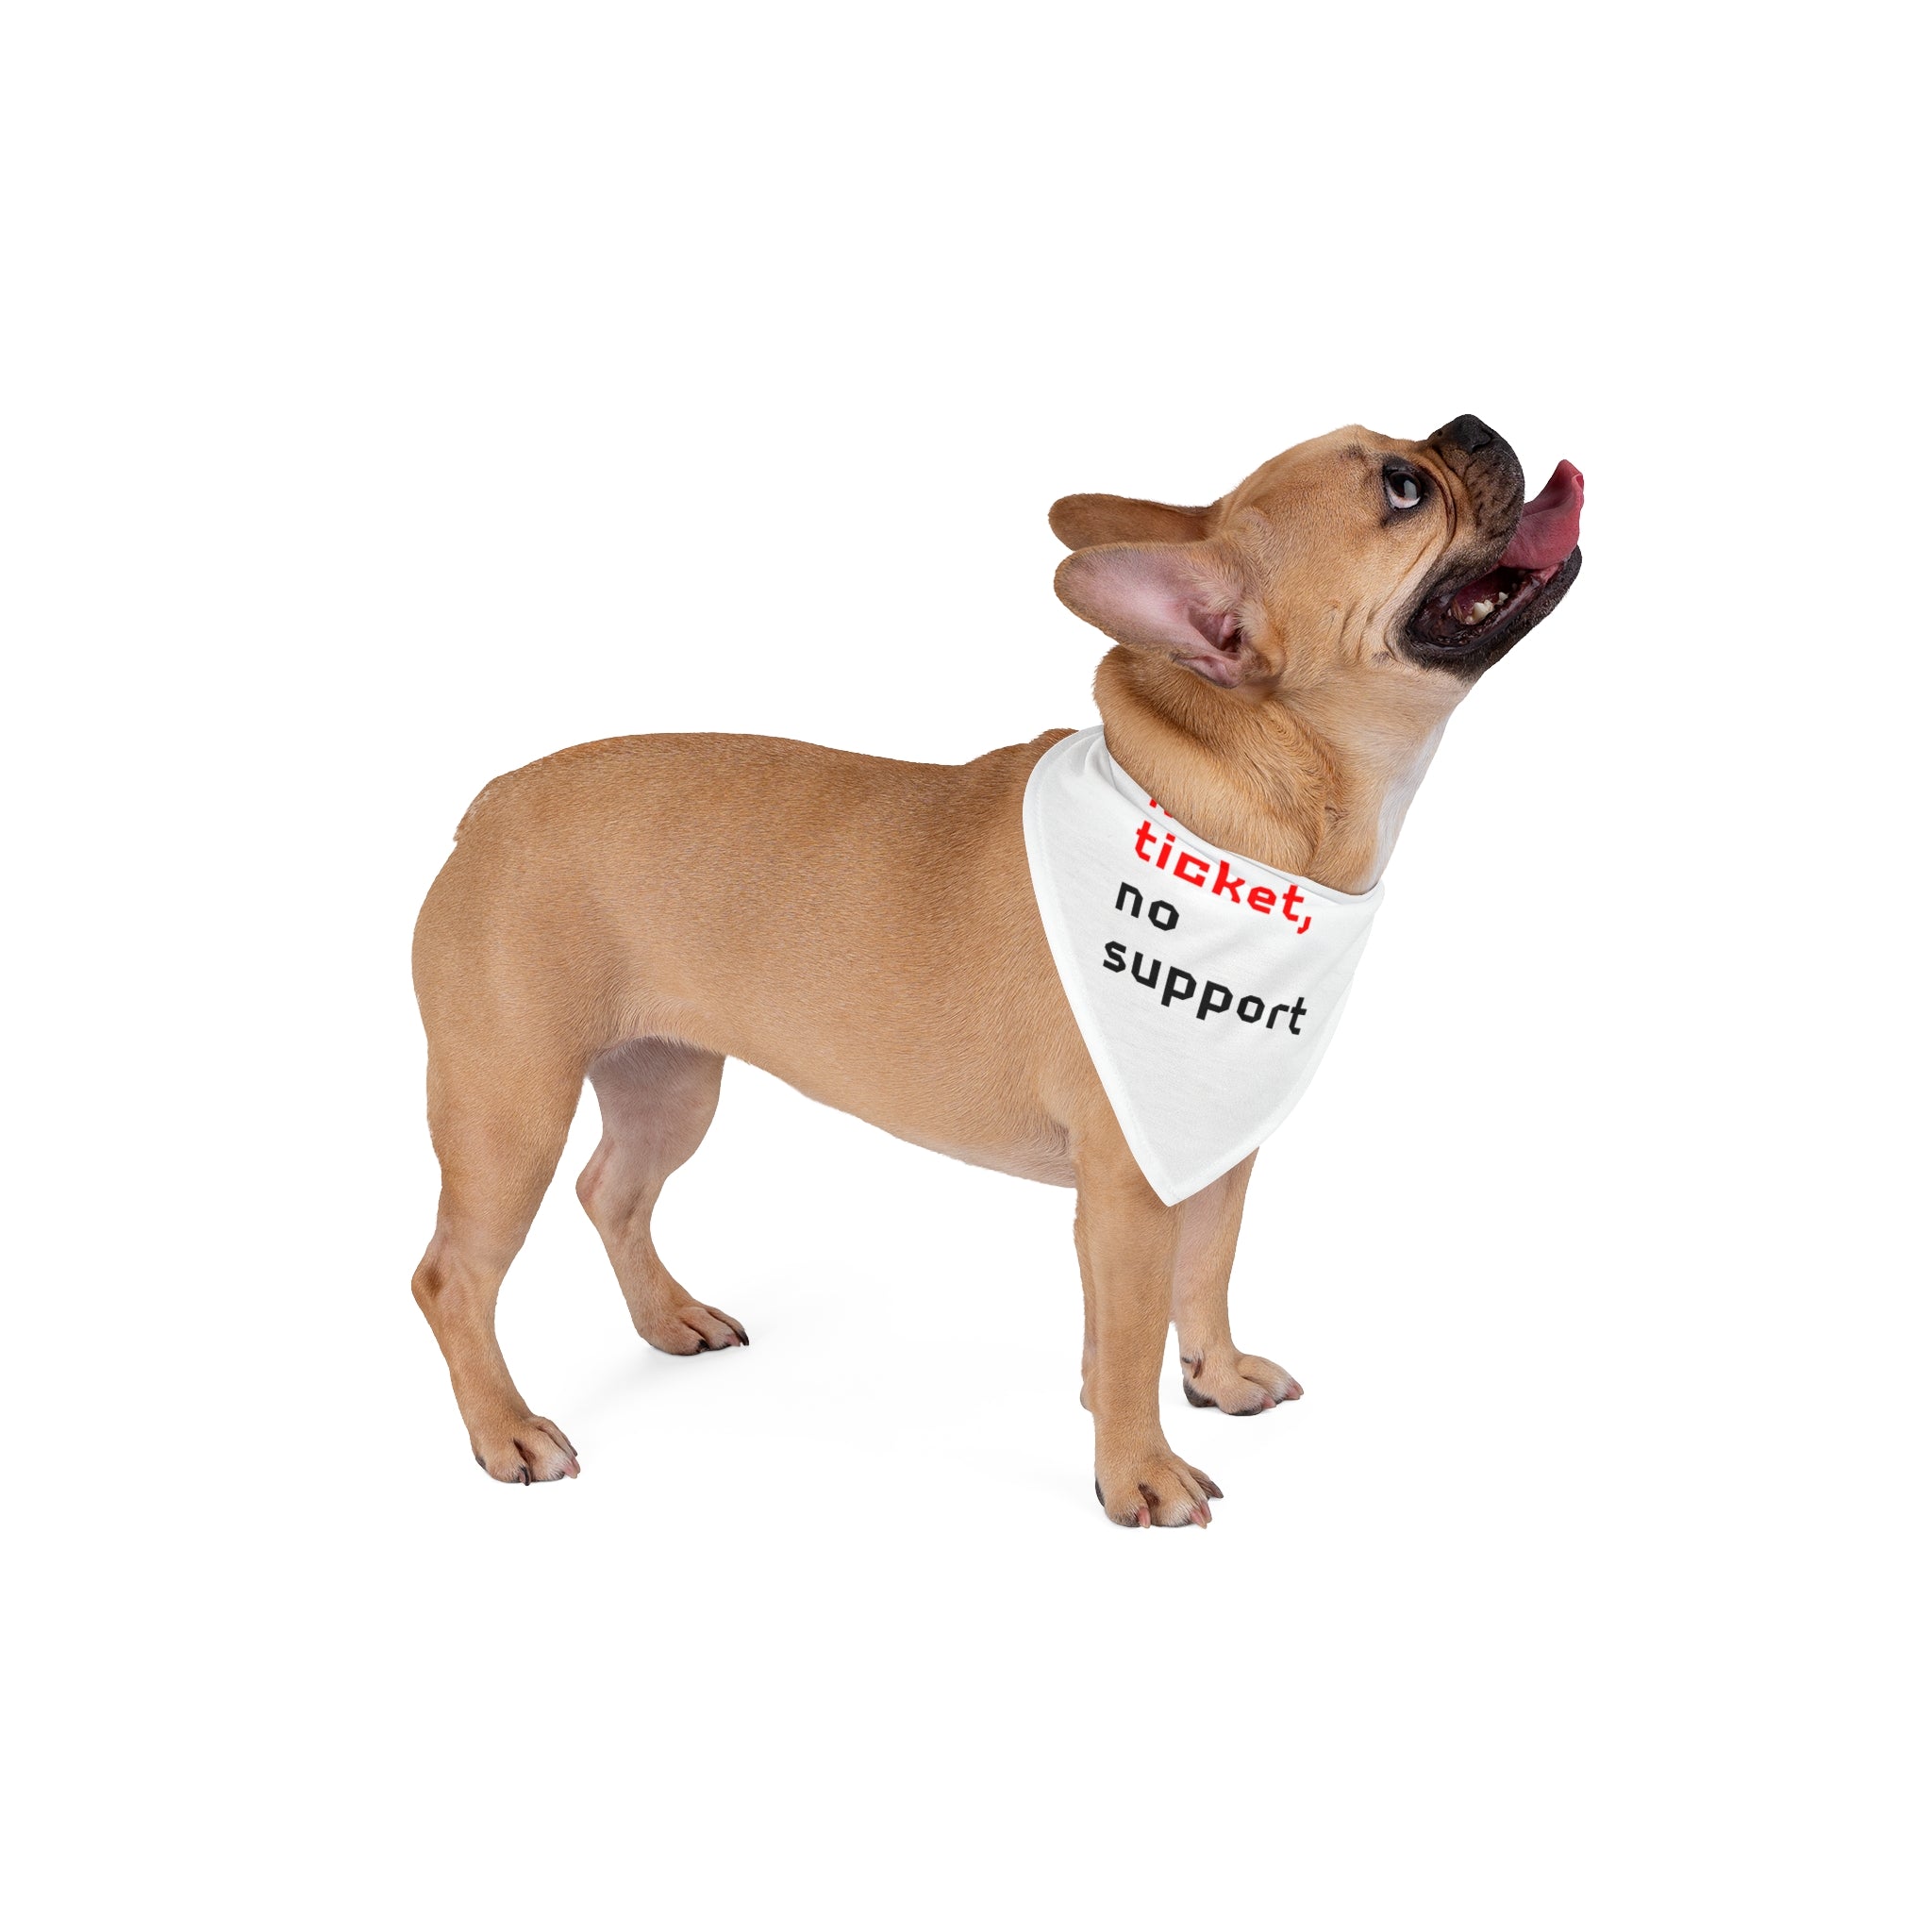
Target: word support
(1180,983)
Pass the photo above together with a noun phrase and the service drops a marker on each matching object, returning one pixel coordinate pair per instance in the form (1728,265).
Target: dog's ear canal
(1081,521)
(1158,596)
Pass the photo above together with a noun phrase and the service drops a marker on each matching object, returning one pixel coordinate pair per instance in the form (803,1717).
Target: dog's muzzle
(1497,590)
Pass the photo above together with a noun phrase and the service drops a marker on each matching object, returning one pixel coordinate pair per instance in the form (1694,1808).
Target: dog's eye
(1403,491)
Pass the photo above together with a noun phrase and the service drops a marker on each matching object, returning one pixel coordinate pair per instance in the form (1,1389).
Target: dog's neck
(1309,782)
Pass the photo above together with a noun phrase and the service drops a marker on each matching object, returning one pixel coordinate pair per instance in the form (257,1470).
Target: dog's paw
(1236,1384)
(524,1449)
(690,1329)
(1157,1492)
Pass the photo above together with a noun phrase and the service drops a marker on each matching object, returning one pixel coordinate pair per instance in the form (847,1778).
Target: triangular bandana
(1207,987)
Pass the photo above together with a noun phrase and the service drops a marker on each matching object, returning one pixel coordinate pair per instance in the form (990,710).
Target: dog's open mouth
(1474,622)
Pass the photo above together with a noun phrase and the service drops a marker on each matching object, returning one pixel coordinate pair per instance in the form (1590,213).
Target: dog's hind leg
(499,1119)
(1214,1372)
(658,1097)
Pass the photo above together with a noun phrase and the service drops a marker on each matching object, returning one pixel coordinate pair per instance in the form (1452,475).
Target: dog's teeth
(1477,612)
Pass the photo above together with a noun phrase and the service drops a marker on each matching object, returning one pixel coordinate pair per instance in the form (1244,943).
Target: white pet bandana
(1207,987)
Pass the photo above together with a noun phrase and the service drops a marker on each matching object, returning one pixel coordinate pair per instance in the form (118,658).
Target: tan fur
(636,911)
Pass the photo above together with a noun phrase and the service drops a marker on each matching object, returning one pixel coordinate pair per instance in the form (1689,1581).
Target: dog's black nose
(1468,433)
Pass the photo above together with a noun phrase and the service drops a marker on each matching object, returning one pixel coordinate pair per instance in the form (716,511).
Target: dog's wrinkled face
(1353,556)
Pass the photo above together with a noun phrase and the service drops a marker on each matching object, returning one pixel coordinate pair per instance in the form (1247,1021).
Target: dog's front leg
(1126,1242)
(1214,1372)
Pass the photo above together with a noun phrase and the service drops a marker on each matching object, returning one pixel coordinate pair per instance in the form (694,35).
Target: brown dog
(631,911)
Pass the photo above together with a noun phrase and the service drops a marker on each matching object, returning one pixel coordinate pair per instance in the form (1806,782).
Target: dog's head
(1353,557)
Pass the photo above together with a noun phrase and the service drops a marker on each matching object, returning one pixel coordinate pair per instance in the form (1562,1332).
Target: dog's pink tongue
(1546,533)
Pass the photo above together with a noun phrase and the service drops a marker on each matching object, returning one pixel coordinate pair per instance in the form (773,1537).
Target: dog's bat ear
(1080,522)
(1171,597)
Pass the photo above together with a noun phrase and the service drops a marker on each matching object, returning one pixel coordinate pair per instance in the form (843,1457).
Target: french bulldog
(637,910)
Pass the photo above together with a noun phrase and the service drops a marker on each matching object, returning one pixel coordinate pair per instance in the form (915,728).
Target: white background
(394,394)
